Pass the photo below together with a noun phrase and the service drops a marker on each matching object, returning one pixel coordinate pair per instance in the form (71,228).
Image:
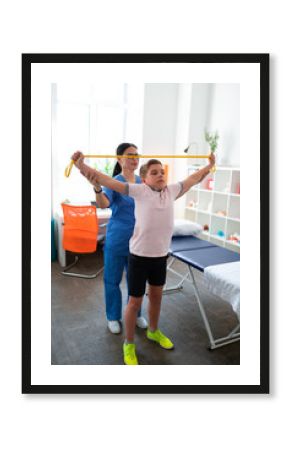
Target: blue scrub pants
(114,266)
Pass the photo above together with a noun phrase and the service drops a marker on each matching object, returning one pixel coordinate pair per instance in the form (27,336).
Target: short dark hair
(145,167)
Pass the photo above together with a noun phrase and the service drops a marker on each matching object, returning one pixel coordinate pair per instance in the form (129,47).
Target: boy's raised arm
(198,176)
(94,176)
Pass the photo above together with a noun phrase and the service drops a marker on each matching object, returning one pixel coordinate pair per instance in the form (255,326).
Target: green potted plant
(212,139)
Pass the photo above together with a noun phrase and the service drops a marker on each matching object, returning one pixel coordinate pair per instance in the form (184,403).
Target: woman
(119,231)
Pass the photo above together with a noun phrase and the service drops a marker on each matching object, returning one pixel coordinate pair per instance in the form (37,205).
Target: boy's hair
(145,167)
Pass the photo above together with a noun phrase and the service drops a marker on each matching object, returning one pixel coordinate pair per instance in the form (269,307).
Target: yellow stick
(147,156)
(70,166)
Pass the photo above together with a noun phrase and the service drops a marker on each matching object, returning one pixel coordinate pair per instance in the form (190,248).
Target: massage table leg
(178,286)
(233,336)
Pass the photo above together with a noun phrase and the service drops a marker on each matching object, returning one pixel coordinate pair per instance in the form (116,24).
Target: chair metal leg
(79,275)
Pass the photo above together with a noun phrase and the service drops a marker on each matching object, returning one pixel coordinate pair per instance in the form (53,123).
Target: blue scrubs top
(121,224)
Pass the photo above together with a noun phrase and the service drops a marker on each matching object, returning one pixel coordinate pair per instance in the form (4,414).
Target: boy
(150,242)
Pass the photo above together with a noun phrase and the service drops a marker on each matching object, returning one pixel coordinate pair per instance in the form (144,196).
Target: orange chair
(166,170)
(80,234)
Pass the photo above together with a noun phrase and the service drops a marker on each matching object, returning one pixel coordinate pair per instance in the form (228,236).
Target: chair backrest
(80,229)
(166,170)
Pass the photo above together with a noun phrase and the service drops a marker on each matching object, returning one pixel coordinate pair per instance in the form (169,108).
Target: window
(94,119)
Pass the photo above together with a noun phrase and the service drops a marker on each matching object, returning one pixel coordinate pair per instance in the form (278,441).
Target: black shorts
(142,269)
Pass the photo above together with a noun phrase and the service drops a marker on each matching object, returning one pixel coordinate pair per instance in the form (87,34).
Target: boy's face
(155,177)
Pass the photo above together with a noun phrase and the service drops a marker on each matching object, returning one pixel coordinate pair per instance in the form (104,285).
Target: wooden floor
(80,334)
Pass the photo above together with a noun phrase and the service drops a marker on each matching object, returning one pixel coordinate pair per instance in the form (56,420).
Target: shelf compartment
(192,199)
(222,181)
(235,184)
(218,227)
(191,214)
(233,227)
(234,207)
(205,201)
(220,204)
(203,218)
(208,182)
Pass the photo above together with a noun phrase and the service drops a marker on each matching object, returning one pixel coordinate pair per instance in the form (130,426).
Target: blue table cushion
(179,243)
(210,256)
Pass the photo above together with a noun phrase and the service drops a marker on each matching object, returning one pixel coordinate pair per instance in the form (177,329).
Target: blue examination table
(198,254)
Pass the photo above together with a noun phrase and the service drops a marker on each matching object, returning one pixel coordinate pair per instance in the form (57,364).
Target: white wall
(178,114)
(160,109)
(179,166)
(212,107)
(217,107)
(224,116)
(199,114)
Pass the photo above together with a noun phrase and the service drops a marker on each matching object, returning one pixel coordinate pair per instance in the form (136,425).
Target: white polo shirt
(154,219)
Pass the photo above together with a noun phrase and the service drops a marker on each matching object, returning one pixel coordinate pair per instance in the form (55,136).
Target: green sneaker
(130,357)
(160,338)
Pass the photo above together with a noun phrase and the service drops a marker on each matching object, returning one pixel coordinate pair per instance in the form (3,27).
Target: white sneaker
(141,322)
(114,326)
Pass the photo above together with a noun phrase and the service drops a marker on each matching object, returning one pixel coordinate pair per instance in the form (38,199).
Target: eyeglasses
(132,154)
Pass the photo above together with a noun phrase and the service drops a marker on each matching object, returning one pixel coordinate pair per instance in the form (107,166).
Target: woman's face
(130,164)
(155,176)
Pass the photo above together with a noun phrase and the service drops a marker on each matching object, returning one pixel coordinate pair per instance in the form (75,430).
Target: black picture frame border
(261,58)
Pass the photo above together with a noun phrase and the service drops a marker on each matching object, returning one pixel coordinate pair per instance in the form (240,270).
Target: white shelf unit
(215,204)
